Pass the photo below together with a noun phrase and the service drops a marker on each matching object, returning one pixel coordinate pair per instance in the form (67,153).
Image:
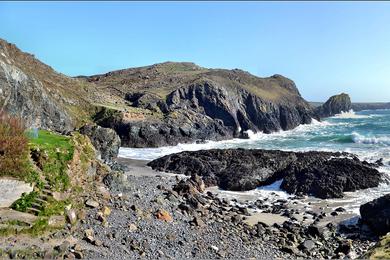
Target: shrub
(14,148)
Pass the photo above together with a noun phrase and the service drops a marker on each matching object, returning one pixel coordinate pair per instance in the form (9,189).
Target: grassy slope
(57,154)
(163,78)
(381,250)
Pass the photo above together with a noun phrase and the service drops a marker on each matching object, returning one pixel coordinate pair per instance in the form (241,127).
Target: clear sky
(325,47)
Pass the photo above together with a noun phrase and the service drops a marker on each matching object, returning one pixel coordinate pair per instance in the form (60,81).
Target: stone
(57,221)
(198,221)
(376,214)
(308,245)
(214,248)
(163,215)
(89,235)
(71,216)
(106,211)
(92,203)
(81,214)
(98,242)
(132,227)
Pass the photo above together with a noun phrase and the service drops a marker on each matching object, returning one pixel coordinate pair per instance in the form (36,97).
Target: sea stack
(335,105)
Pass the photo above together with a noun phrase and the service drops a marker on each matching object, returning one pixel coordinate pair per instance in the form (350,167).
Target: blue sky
(325,47)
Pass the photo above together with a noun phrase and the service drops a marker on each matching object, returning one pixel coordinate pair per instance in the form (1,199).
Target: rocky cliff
(335,105)
(42,97)
(173,103)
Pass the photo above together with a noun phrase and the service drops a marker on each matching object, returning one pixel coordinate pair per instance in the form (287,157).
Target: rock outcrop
(180,103)
(23,95)
(335,105)
(321,174)
(105,141)
(376,214)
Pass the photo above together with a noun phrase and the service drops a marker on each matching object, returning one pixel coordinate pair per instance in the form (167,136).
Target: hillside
(43,97)
(182,102)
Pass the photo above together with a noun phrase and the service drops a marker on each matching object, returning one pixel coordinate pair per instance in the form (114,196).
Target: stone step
(46,191)
(9,214)
(43,196)
(33,211)
(36,205)
(40,200)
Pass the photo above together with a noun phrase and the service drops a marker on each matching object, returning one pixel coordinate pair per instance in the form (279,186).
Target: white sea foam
(361,139)
(350,115)
(153,153)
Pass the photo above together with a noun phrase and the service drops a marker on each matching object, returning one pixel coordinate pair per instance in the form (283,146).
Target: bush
(14,148)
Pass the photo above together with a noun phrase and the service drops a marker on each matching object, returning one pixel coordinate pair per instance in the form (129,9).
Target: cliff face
(42,97)
(335,105)
(181,102)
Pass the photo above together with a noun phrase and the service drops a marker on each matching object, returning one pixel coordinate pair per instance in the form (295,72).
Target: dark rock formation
(201,104)
(105,141)
(321,174)
(331,178)
(376,214)
(335,105)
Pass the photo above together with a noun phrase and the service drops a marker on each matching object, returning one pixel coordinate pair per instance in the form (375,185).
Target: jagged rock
(376,214)
(321,174)
(334,105)
(105,141)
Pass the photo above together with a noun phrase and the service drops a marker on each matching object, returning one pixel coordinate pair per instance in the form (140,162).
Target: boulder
(376,214)
(321,174)
(105,141)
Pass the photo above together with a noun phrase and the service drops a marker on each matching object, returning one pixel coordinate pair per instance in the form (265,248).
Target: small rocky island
(80,201)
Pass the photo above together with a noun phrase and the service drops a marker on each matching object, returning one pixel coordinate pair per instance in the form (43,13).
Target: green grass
(54,208)
(57,150)
(25,201)
(381,250)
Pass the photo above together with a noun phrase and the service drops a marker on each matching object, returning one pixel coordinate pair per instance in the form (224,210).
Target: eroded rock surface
(321,174)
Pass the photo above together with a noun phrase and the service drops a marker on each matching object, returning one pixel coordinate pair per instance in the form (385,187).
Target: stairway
(41,200)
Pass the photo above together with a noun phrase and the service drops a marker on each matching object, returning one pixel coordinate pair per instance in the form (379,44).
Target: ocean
(365,133)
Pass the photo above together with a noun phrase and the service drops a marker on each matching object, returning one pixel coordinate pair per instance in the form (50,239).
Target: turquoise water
(365,133)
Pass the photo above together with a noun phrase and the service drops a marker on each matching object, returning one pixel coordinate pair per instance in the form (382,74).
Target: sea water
(365,133)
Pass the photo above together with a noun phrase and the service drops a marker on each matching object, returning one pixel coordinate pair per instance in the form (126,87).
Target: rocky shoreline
(159,215)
